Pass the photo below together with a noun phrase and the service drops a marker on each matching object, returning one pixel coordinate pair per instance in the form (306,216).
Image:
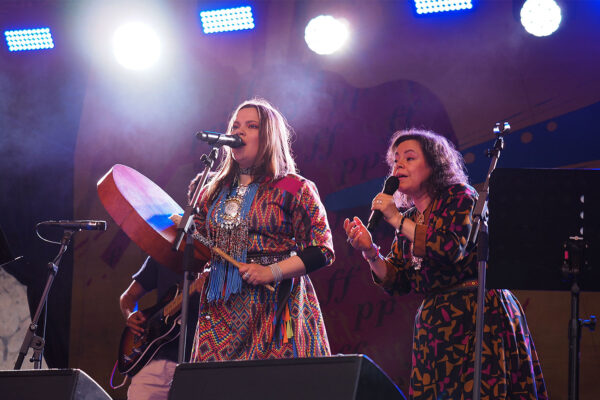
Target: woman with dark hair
(430,256)
(271,220)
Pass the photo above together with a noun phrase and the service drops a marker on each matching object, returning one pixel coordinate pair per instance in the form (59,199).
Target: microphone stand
(186,226)
(574,250)
(479,236)
(31,339)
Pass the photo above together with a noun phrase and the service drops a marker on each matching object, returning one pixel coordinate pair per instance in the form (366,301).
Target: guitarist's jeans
(153,381)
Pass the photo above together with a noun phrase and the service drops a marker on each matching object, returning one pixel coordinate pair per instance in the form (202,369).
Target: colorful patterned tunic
(444,331)
(286,216)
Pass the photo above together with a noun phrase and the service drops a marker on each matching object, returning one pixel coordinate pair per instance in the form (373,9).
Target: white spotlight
(540,17)
(325,34)
(136,46)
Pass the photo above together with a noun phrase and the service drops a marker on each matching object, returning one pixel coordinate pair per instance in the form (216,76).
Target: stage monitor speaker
(342,377)
(49,384)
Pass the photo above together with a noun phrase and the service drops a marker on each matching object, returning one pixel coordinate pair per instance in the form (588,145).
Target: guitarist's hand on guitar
(138,346)
(255,274)
(135,322)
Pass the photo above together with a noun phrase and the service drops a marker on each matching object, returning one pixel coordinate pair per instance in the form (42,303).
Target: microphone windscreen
(391,185)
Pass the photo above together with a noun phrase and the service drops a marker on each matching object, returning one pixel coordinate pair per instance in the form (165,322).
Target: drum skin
(142,210)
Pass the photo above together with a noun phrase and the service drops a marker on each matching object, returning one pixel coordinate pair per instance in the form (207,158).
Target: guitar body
(161,327)
(136,351)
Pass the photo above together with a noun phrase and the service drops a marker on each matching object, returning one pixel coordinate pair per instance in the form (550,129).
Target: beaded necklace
(232,206)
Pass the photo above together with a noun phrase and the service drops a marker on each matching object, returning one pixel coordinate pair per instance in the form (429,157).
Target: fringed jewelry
(230,235)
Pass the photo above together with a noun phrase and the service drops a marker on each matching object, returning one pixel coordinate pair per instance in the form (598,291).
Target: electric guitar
(160,328)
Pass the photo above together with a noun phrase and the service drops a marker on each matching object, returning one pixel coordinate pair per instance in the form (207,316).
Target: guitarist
(153,381)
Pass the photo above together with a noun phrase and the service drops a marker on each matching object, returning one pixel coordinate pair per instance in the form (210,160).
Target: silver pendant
(231,212)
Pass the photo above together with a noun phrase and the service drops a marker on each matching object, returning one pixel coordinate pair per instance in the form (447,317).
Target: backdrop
(70,114)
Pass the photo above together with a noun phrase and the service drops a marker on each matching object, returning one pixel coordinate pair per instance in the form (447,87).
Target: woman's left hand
(385,203)
(256,274)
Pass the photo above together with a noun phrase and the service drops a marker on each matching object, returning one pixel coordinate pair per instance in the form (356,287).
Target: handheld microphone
(79,225)
(390,186)
(220,139)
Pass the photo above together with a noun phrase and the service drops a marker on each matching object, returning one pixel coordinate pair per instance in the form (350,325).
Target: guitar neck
(175,305)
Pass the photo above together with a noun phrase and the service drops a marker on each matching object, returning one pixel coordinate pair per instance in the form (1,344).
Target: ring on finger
(246,274)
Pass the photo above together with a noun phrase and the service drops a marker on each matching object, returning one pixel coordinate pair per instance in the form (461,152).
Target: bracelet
(276,271)
(399,230)
(375,257)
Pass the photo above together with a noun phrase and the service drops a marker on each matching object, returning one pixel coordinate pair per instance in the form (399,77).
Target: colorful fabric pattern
(286,215)
(444,330)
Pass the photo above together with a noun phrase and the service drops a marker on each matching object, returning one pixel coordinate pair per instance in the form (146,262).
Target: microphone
(389,187)
(220,139)
(79,225)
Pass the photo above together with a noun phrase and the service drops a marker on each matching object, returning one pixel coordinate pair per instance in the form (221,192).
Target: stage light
(227,19)
(136,46)
(435,6)
(325,34)
(541,17)
(29,39)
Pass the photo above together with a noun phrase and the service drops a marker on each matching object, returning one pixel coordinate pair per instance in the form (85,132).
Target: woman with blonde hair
(271,220)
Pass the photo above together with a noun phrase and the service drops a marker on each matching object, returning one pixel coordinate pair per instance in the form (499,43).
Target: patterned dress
(444,330)
(286,216)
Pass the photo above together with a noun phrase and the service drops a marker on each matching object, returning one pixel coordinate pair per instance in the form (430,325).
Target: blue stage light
(29,39)
(227,19)
(435,6)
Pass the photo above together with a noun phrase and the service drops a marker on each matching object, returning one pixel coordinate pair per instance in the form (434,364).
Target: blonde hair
(274,158)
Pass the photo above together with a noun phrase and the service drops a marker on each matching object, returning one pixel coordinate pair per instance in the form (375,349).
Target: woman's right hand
(358,235)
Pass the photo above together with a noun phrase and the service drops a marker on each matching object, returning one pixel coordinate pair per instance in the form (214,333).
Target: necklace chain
(416,261)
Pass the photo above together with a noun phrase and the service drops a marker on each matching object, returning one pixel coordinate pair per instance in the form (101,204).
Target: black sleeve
(147,275)
(313,258)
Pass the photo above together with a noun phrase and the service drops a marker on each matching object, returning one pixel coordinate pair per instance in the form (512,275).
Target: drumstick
(235,263)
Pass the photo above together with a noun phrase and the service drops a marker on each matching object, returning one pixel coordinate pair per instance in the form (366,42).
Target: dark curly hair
(447,164)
